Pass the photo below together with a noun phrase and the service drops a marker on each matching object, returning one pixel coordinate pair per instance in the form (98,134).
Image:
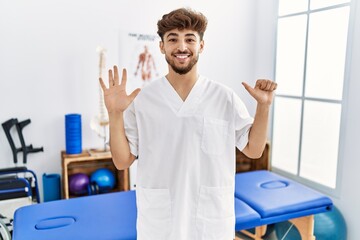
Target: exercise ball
(104,178)
(329,225)
(285,228)
(78,183)
(269,230)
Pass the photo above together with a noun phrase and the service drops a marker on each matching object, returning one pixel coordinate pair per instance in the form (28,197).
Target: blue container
(51,187)
(73,133)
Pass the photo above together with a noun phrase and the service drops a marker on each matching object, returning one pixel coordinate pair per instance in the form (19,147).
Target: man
(183,129)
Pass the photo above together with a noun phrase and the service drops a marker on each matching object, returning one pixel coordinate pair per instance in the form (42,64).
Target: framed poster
(140,54)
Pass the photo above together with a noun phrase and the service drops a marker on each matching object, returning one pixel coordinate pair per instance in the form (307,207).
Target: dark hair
(182,18)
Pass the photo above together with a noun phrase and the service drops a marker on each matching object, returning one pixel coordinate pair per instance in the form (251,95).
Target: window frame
(335,192)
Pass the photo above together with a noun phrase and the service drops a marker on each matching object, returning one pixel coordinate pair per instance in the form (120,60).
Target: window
(310,69)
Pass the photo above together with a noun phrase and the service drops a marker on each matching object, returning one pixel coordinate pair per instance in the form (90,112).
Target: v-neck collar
(177,104)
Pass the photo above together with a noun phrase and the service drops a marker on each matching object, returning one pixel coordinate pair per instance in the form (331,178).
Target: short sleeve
(242,121)
(131,129)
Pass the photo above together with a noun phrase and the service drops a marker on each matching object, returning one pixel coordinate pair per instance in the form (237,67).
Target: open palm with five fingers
(116,99)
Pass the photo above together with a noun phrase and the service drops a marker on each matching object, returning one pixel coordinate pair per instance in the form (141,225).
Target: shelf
(86,162)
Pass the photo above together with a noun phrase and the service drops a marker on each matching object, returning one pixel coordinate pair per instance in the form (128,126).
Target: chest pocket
(154,214)
(215,134)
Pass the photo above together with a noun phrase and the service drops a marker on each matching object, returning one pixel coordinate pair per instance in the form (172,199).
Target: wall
(348,200)
(49,64)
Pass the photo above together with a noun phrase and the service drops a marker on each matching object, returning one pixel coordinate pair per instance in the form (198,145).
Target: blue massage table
(261,198)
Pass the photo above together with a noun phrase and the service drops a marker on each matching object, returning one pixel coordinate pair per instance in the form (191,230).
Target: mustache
(183,52)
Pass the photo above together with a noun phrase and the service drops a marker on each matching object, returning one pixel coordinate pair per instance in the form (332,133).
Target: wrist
(263,106)
(115,115)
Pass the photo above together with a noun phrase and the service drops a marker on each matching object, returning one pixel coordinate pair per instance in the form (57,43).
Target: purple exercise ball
(78,183)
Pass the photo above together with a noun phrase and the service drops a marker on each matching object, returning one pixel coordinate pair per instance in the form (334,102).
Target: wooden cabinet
(245,164)
(88,163)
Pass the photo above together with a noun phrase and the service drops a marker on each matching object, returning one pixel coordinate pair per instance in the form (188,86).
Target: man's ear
(161,45)
(202,43)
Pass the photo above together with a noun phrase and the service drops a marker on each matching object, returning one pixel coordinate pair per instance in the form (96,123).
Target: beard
(184,69)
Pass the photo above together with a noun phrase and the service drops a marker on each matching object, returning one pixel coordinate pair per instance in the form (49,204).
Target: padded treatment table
(267,198)
(109,216)
(261,198)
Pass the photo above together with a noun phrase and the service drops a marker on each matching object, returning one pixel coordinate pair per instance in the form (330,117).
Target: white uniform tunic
(186,159)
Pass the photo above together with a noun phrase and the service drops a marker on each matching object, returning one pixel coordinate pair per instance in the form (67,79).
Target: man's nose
(182,46)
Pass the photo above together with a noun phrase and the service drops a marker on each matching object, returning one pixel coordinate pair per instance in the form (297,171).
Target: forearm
(119,145)
(258,132)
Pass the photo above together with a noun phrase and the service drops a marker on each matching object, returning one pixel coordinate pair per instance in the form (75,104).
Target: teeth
(182,56)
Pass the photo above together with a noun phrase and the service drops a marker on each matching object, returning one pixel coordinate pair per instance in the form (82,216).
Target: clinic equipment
(261,198)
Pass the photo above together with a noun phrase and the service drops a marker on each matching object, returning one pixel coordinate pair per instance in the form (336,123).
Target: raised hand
(116,99)
(263,92)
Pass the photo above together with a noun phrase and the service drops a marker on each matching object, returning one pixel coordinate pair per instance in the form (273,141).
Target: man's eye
(172,40)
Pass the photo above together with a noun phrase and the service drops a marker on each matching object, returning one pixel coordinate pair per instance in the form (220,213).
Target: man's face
(181,49)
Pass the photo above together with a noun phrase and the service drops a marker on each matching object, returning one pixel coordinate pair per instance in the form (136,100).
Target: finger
(102,84)
(263,84)
(258,83)
(248,87)
(273,86)
(111,80)
(116,76)
(134,94)
(124,77)
(268,85)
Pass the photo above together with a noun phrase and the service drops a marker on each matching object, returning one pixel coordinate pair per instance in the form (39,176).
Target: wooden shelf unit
(88,163)
(245,164)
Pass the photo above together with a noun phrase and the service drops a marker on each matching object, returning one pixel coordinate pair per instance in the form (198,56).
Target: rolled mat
(51,187)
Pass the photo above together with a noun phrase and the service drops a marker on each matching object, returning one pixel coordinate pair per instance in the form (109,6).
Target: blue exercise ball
(104,178)
(285,228)
(78,183)
(329,225)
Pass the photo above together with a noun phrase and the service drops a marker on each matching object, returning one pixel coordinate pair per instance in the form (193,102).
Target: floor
(272,236)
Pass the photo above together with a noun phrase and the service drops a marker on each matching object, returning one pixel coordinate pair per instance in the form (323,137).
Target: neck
(182,80)
(182,83)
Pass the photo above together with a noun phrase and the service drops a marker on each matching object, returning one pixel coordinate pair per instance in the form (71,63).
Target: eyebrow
(176,35)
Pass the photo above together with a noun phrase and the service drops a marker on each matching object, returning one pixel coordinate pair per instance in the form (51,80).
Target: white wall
(348,201)
(49,64)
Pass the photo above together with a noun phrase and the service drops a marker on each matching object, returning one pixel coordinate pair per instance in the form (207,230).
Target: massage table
(261,198)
